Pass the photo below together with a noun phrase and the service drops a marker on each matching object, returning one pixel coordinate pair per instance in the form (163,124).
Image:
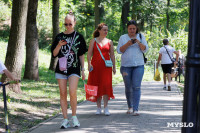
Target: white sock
(169,84)
(165,85)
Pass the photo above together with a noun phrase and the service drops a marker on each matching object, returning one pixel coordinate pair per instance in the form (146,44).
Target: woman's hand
(62,42)
(90,67)
(58,47)
(130,42)
(114,70)
(83,75)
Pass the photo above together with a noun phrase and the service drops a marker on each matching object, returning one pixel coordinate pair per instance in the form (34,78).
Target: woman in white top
(166,57)
(132,46)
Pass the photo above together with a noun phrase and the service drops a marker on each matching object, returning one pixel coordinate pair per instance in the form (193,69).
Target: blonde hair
(70,15)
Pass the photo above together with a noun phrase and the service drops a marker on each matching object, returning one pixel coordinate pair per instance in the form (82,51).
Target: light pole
(191,105)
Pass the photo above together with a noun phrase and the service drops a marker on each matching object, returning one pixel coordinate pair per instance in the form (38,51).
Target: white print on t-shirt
(68,54)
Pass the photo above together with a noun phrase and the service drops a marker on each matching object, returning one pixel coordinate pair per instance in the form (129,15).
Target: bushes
(85,24)
(5,12)
(178,40)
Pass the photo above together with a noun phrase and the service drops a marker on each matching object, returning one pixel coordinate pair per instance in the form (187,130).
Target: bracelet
(82,69)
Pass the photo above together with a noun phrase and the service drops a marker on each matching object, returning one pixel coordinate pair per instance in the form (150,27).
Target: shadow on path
(157,108)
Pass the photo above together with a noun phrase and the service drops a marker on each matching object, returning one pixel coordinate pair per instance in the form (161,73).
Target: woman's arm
(58,47)
(125,46)
(112,56)
(89,54)
(142,46)
(82,60)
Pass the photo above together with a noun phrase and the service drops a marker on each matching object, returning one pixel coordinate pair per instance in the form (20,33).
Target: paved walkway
(157,108)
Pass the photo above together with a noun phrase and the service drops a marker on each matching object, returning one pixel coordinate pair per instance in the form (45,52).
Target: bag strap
(99,50)
(71,43)
(141,40)
(140,36)
(168,54)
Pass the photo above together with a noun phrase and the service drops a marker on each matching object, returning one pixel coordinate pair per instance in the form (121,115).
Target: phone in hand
(91,68)
(133,40)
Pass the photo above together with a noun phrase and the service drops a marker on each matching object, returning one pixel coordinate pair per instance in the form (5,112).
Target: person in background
(99,74)
(181,63)
(69,46)
(132,46)
(3,70)
(166,58)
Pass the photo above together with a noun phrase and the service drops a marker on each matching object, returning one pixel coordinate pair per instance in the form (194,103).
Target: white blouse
(133,56)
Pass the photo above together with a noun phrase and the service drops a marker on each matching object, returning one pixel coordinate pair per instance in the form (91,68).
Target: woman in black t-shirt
(70,47)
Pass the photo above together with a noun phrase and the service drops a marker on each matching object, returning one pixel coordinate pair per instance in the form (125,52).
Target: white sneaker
(136,113)
(75,121)
(98,112)
(106,111)
(65,124)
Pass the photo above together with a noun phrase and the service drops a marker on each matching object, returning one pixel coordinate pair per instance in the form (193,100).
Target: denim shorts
(61,76)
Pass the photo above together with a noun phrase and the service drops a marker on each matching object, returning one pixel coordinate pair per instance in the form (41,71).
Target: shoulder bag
(108,63)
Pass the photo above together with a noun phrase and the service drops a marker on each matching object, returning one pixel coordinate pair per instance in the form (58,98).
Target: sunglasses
(68,24)
(131,22)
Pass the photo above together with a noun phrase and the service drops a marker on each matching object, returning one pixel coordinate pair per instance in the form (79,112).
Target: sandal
(129,111)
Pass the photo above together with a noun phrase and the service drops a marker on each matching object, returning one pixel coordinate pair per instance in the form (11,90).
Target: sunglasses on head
(131,22)
(68,24)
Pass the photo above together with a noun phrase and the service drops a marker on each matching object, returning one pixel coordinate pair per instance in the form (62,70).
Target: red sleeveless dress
(101,75)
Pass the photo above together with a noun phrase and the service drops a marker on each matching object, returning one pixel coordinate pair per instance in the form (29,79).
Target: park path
(157,108)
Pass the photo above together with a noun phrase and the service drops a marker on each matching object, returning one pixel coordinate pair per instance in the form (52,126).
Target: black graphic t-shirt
(78,48)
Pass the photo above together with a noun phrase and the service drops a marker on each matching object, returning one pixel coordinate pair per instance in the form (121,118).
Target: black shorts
(167,68)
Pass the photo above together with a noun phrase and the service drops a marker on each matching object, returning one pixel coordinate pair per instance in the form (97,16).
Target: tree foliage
(150,15)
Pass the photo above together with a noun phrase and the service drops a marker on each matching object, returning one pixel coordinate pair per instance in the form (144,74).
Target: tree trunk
(15,49)
(125,14)
(133,10)
(102,13)
(56,30)
(142,24)
(97,12)
(168,4)
(151,18)
(31,67)
(74,1)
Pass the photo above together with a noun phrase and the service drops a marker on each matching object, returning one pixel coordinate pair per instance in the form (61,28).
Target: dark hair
(99,27)
(70,14)
(133,22)
(165,41)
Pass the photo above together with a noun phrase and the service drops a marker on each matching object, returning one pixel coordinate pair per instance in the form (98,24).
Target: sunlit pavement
(160,112)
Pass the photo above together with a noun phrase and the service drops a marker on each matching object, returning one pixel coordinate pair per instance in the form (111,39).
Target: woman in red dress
(99,74)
